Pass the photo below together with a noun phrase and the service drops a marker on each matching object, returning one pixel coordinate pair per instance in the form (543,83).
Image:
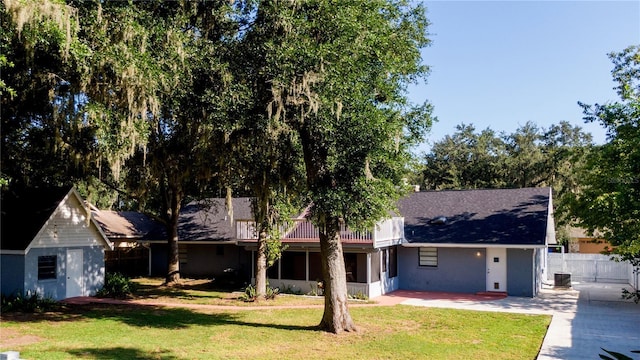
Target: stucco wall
(11,274)
(92,268)
(458,270)
(520,272)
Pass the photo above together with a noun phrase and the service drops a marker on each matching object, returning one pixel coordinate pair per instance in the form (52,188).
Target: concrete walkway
(585,319)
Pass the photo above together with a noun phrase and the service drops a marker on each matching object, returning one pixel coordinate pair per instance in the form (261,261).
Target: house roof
(122,225)
(209,220)
(477,217)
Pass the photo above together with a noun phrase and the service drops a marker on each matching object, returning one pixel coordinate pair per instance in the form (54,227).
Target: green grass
(202,292)
(144,332)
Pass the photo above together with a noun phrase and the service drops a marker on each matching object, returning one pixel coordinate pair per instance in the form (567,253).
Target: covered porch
(370,272)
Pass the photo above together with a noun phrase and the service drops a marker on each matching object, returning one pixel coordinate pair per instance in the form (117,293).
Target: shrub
(30,302)
(250,294)
(117,286)
(359,296)
(271,293)
(290,289)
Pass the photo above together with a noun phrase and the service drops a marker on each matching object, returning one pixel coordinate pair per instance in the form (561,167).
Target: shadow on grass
(120,353)
(183,291)
(148,316)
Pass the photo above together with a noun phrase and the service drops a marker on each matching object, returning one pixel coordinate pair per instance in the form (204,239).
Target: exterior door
(496,269)
(75,283)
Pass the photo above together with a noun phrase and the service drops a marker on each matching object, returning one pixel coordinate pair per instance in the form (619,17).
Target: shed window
(428,257)
(47,267)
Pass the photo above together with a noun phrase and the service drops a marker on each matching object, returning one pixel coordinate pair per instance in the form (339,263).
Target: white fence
(590,268)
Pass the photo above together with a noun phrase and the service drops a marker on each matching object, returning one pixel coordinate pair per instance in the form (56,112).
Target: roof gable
(480,217)
(25,215)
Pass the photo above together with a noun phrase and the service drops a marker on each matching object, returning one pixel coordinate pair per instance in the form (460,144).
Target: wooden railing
(301,229)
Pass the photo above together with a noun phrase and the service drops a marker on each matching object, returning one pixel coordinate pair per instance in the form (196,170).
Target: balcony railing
(304,230)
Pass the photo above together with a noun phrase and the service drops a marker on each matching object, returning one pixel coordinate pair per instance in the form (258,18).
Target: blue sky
(499,64)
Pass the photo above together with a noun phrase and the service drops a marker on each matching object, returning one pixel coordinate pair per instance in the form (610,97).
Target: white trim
(473,246)
(191,242)
(13,252)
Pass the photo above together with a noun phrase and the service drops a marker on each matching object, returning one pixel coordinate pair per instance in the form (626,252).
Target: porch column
(368,268)
(253,264)
(306,262)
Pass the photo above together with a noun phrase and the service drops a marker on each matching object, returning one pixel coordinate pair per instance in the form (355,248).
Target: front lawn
(145,332)
(193,291)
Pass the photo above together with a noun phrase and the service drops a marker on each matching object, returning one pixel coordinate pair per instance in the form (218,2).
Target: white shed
(50,245)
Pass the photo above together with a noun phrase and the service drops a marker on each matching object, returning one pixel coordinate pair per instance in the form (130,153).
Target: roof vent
(440,220)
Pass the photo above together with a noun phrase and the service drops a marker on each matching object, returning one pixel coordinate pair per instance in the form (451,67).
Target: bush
(117,286)
(31,302)
(250,294)
(271,293)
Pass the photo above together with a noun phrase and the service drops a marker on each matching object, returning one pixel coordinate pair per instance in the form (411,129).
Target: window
(384,260)
(393,262)
(428,257)
(47,267)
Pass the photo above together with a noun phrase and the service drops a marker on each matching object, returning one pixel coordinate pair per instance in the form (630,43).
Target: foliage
(359,296)
(29,302)
(250,294)
(336,75)
(608,201)
(117,286)
(529,157)
(290,289)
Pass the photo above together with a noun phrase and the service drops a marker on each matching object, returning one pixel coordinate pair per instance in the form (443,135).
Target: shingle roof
(209,220)
(25,213)
(482,217)
(129,225)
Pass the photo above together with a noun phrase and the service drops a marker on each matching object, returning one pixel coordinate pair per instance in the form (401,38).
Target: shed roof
(480,217)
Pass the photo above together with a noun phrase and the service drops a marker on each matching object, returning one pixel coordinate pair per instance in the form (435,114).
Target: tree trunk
(173,271)
(336,317)
(261,265)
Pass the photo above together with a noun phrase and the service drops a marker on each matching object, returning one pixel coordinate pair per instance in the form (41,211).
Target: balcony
(385,233)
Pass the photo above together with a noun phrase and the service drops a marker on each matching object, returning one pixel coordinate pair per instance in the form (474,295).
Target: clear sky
(499,64)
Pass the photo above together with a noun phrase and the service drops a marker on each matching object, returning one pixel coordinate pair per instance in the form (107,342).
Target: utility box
(10,355)
(562,280)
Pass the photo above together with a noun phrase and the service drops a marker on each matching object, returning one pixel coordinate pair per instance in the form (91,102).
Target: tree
(466,160)
(608,200)
(44,138)
(186,62)
(342,72)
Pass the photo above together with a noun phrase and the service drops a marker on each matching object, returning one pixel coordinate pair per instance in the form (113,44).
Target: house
(370,256)
(458,241)
(207,242)
(476,240)
(50,245)
(127,230)
(213,243)
(581,242)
